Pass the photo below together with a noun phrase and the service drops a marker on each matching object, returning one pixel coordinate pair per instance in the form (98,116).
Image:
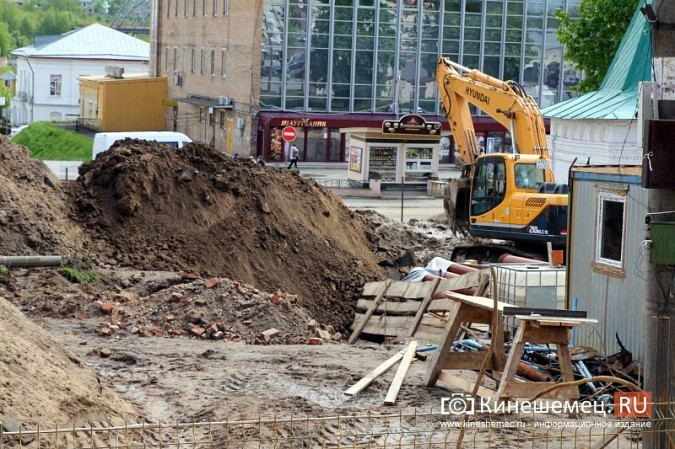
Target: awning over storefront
(208,102)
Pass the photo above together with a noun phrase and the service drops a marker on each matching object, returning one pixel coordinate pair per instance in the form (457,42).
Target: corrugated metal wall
(617,303)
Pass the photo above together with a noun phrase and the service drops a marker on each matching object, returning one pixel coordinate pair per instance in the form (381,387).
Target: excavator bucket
(456,204)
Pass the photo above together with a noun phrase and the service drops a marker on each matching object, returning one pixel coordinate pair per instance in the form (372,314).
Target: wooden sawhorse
(540,330)
(472,309)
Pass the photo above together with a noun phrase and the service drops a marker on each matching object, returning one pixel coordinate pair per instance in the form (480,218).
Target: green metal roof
(618,93)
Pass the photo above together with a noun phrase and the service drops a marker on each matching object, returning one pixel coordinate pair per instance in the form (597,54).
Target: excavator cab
(507,201)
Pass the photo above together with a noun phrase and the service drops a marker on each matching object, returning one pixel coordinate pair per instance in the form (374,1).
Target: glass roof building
(379,56)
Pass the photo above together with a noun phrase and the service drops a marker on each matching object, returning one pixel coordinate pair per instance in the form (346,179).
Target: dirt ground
(196,256)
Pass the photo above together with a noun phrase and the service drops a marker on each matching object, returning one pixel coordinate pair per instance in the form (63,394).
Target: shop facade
(321,137)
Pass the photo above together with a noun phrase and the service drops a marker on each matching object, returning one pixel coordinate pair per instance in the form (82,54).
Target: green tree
(56,22)
(592,40)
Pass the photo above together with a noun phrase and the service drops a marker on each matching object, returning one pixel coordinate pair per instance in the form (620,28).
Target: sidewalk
(339,170)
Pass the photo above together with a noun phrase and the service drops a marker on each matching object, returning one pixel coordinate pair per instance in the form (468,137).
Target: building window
(204,7)
(194,8)
(175,59)
(202,115)
(166,59)
(215,7)
(176,10)
(185,8)
(184,60)
(213,62)
(610,229)
(203,62)
(223,61)
(55,85)
(225,2)
(221,120)
(193,60)
(168,8)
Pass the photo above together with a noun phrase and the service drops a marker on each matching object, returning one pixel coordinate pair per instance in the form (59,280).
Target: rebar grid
(411,429)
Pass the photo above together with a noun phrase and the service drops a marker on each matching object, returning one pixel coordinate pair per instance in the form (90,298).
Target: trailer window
(610,229)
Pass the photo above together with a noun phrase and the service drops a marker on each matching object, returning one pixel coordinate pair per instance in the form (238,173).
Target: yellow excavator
(507,195)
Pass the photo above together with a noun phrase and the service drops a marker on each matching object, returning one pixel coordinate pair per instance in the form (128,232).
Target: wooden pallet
(405,309)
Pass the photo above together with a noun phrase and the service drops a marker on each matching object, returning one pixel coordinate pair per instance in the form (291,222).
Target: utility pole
(659,318)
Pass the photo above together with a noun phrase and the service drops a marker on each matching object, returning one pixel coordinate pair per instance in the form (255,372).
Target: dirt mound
(33,207)
(44,383)
(198,210)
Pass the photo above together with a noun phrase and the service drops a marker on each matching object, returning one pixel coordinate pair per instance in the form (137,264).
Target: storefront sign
(304,123)
(411,124)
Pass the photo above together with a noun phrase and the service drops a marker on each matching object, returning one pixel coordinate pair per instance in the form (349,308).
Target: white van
(103,141)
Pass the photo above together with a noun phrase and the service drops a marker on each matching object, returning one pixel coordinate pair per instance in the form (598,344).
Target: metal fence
(397,430)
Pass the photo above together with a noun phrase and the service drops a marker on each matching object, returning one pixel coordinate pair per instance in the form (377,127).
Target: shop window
(611,216)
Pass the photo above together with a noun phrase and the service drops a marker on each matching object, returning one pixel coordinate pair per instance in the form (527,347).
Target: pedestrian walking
(295,153)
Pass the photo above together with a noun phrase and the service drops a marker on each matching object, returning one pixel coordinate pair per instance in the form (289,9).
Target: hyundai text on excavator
(509,196)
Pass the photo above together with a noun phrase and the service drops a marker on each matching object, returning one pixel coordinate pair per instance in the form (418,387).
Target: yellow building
(123,102)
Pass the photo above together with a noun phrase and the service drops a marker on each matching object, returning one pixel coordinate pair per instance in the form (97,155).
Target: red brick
(107,307)
(211,283)
(314,341)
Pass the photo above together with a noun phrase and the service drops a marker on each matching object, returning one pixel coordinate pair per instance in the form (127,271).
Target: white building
(600,127)
(46,86)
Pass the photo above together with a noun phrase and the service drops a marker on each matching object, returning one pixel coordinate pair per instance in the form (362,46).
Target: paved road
(414,206)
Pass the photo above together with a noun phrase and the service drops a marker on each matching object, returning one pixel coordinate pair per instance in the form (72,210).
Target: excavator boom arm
(506,102)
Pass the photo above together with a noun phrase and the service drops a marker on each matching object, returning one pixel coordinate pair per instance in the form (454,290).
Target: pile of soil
(33,207)
(43,383)
(197,210)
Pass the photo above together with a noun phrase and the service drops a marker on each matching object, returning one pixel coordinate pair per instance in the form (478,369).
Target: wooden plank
(464,384)
(399,325)
(544,335)
(468,280)
(395,386)
(466,360)
(479,301)
(374,288)
(374,374)
(511,367)
(448,337)
(362,323)
(408,290)
(404,307)
(422,308)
